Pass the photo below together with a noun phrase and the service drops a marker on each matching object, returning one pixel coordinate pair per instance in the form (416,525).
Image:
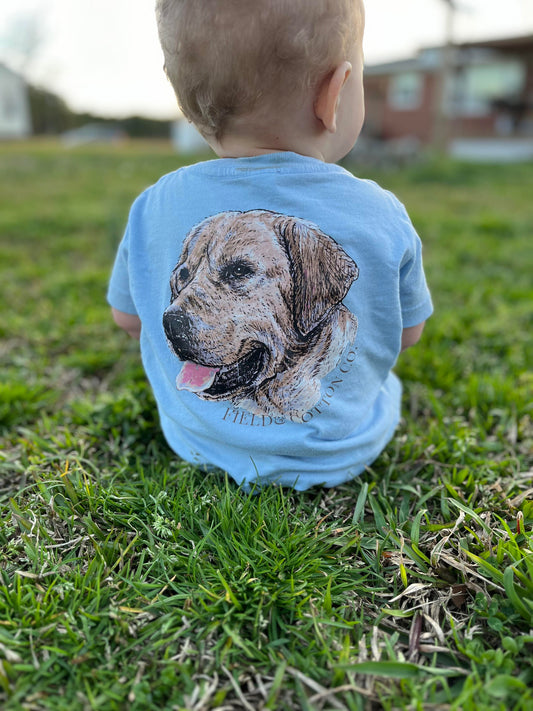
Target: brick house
(488,94)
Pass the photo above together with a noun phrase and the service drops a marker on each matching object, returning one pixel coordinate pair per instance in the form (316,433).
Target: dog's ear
(322,272)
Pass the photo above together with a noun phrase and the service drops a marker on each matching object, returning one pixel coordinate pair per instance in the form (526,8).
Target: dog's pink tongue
(195,378)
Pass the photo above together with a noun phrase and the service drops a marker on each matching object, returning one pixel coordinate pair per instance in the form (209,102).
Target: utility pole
(442,124)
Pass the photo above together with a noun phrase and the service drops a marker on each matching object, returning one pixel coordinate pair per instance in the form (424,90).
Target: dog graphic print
(256,312)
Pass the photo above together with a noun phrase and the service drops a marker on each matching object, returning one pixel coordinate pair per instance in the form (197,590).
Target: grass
(129,580)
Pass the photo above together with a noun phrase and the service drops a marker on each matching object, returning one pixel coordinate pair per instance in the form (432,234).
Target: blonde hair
(228,58)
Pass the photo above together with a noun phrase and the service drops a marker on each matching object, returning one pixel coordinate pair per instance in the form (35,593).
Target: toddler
(272,291)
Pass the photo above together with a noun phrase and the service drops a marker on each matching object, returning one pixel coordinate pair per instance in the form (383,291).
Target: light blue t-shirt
(273,292)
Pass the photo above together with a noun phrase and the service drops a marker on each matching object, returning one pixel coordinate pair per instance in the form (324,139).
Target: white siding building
(15,119)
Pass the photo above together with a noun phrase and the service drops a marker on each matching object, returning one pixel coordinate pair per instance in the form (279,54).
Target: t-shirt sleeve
(119,293)
(415,298)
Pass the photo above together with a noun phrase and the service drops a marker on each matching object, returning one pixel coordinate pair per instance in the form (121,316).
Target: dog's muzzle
(212,380)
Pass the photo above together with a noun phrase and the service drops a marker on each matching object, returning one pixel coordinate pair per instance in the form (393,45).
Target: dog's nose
(179,331)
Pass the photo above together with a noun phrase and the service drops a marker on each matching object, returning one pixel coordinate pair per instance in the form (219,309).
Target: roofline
(417,62)
(498,42)
(400,65)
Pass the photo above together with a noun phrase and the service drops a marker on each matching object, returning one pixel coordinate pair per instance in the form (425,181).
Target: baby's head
(233,62)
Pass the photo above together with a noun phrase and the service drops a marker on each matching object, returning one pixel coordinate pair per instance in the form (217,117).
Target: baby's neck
(232,146)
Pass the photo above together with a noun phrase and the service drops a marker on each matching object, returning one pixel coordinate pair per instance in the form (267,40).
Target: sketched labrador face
(256,311)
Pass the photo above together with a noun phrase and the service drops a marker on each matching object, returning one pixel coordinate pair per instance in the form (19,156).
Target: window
(405,91)
(478,86)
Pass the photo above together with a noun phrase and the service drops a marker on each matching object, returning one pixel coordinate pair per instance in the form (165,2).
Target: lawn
(129,580)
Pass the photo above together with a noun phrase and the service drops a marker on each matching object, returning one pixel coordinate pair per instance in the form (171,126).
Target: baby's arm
(128,322)
(411,335)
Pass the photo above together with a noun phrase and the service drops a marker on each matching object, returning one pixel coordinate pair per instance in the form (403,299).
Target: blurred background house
(15,121)
(473,99)
(186,139)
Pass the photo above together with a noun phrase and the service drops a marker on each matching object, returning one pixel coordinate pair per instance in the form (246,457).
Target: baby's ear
(321,271)
(328,95)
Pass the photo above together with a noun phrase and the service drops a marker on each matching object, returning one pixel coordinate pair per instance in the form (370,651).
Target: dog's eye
(236,271)
(177,280)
